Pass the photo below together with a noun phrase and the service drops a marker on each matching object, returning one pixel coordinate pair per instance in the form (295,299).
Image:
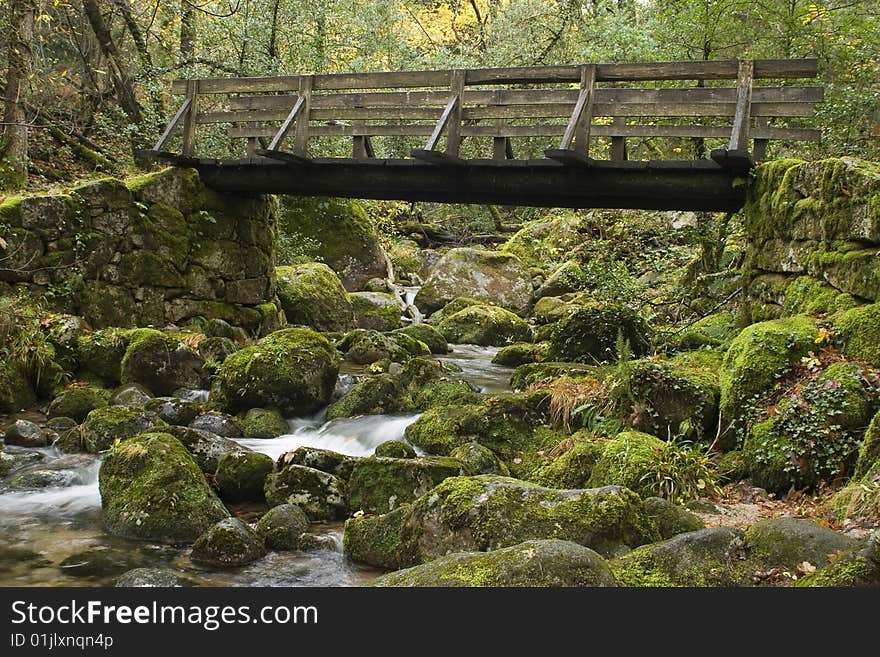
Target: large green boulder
(76,401)
(489,276)
(626,461)
(334,231)
(488,512)
(16,392)
(376,311)
(429,335)
(531,563)
(263,423)
(859,568)
(381,484)
(789,542)
(572,468)
(366,346)
(282,527)
(100,354)
(104,426)
(859,331)
(484,325)
(670,518)
(339,465)
(547,242)
(152,489)
(293,370)
(320,494)
(519,353)
(205,447)
(758,357)
(382,393)
(590,334)
(161,363)
(312,295)
(227,544)
(375,540)
(241,476)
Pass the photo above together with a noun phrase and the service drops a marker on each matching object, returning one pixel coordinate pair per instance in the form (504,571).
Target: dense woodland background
(86,82)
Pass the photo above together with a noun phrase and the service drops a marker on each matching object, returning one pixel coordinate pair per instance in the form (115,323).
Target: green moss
(573,468)
(625,461)
(454,306)
(526,376)
(311,294)
(151,489)
(106,425)
(788,542)
(179,188)
(810,296)
(263,423)
(320,494)
(520,353)
(429,335)
(364,346)
(375,540)
(859,331)
(241,476)
(77,401)
(717,330)
(445,393)
(293,370)
(161,362)
(547,242)
(375,310)
(484,325)
(396,449)
(382,393)
(478,459)
(869,452)
(670,518)
(589,334)
(379,484)
(16,392)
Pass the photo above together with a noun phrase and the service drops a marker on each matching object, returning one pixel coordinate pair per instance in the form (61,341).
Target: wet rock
(478,459)
(131,396)
(395,449)
(376,540)
(218,424)
(227,544)
(520,353)
(77,401)
(43,478)
(205,447)
(363,347)
(263,423)
(174,410)
(532,563)
(152,489)
(241,476)
(282,527)
(319,494)
(104,426)
(339,465)
(788,542)
(24,433)
(316,542)
(380,484)
(150,578)
(312,295)
(484,325)
(160,362)
(376,311)
(671,519)
(429,335)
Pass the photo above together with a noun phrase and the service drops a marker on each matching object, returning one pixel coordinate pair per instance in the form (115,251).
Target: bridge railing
(280,117)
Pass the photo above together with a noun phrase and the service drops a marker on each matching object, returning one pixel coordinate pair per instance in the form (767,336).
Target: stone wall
(813,233)
(154,250)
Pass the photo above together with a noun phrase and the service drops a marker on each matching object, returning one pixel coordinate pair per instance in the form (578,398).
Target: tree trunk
(273,34)
(187,32)
(115,62)
(14,145)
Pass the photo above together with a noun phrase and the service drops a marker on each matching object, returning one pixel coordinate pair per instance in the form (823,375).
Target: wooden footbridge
(474,122)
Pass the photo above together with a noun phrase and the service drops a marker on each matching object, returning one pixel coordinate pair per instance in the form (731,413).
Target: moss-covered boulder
(205,447)
(429,335)
(24,433)
(446,393)
(813,435)
(227,544)
(282,527)
(16,392)
(152,489)
(381,484)
(788,542)
(76,401)
(678,396)
(484,325)
(334,231)
(489,512)
(626,461)
(806,295)
(320,494)
(312,295)
(859,332)
(220,424)
(241,476)
(708,557)
(530,374)
(395,449)
(293,370)
(670,518)
(104,426)
(263,423)
(339,465)
(531,563)
(547,242)
(174,410)
(519,353)
(489,276)
(376,311)
(382,393)
(758,357)
(375,540)
(478,460)
(161,363)
(132,396)
(713,331)
(860,568)
(100,354)
(513,426)
(590,333)
(365,346)
(572,468)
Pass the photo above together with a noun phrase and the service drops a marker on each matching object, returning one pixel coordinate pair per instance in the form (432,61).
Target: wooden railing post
(301,137)
(760,150)
(739,135)
(453,128)
(585,117)
(189,124)
(618,144)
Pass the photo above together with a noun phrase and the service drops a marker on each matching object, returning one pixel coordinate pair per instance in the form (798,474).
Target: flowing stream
(53,536)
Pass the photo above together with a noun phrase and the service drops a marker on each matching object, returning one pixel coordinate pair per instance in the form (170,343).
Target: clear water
(54,536)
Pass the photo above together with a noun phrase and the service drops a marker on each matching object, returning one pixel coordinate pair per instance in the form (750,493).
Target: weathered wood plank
(690,70)
(301,136)
(618,142)
(578,128)
(739,134)
(172,125)
(189,124)
(288,124)
(437,157)
(453,129)
(375,100)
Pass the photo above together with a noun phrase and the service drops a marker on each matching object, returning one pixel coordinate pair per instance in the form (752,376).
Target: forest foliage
(86,82)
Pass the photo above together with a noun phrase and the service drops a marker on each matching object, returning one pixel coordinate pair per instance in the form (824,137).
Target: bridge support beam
(687,185)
